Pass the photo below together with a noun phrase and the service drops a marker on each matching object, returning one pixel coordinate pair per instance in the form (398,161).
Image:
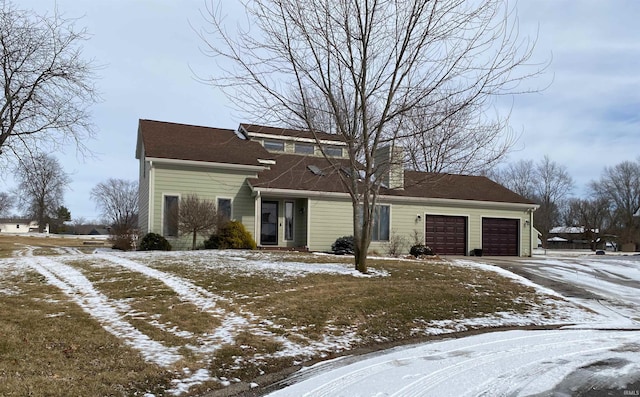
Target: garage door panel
(500,236)
(446,235)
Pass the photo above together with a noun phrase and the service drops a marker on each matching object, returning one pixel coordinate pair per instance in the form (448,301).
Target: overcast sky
(588,118)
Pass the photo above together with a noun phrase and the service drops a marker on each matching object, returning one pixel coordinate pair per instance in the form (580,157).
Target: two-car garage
(447,235)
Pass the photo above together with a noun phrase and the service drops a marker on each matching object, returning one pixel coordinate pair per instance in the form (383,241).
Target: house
(277,183)
(574,237)
(20,225)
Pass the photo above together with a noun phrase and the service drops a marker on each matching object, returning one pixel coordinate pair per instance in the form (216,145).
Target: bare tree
(41,186)
(361,68)
(620,185)
(6,203)
(591,215)
(545,182)
(196,216)
(47,87)
(464,143)
(552,185)
(117,201)
(518,177)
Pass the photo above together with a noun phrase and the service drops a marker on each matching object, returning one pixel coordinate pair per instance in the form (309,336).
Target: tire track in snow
(452,372)
(425,385)
(230,321)
(75,285)
(198,296)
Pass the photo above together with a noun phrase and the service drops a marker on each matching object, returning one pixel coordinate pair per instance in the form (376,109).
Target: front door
(269,223)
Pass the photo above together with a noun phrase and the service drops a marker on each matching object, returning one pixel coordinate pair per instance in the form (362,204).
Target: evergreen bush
(343,246)
(231,235)
(419,250)
(154,242)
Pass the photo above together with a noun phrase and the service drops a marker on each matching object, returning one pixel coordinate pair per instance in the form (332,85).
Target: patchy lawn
(183,323)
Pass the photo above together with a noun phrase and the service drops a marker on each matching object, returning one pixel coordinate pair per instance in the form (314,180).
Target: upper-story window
(333,151)
(274,145)
(304,148)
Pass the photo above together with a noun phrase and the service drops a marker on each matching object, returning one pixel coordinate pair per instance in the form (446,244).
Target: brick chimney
(389,163)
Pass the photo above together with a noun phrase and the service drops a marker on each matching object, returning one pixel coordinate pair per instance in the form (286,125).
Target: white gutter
(391,199)
(295,139)
(208,164)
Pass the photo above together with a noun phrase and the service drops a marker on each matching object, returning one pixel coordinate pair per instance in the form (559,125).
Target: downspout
(531,232)
(256,218)
(151,193)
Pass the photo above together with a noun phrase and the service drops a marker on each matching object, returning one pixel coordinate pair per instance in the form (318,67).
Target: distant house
(574,237)
(91,229)
(19,225)
(276,182)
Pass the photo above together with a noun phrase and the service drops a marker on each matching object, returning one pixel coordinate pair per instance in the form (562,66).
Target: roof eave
(207,164)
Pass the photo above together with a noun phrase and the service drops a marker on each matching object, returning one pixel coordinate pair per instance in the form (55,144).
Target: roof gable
(176,141)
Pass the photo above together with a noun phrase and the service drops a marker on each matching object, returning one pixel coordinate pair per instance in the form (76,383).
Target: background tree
(41,185)
(620,185)
(464,143)
(47,86)
(591,214)
(361,68)
(518,177)
(196,216)
(546,182)
(6,203)
(552,185)
(117,201)
(57,220)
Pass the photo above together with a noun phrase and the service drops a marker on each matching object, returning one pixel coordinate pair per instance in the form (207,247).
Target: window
(380,231)
(333,151)
(303,148)
(381,221)
(170,217)
(224,209)
(288,220)
(274,145)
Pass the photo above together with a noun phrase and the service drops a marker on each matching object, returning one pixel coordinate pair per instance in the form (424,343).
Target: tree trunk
(193,242)
(361,236)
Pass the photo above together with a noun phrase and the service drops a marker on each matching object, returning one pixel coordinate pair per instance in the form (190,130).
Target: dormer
(289,141)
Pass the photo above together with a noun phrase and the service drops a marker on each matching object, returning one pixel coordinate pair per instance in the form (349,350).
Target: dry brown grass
(11,243)
(49,346)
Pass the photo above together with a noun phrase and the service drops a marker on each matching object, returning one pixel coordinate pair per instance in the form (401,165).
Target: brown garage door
(446,235)
(500,236)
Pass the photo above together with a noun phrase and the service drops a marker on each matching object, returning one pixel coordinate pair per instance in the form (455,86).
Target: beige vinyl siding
(207,184)
(143,197)
(329,219)
(404,221)
(332,218)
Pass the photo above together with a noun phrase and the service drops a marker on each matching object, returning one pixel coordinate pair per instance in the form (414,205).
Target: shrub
(395,245)
(231,235)
(343,245)
(154,242)
(419,250)
(122,237)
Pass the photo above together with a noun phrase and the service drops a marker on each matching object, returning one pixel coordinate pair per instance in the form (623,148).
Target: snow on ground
(511,363)
(112,314)
(614,279)
(601,354)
